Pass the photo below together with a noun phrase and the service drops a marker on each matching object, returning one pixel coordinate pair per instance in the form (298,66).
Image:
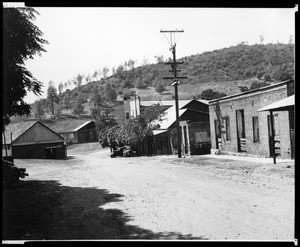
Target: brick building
(237,126)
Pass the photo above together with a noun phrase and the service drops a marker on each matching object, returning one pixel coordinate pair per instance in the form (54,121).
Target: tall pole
(175,84)
(176,102)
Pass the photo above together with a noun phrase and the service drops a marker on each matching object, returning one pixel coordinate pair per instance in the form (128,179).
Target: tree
(57,108)
(78,81)
(159,59)
(261,39)
(21,41)
(160,88)
(39,110)
(95,74)
(120,72)
(60,87)
(105,71)
(79,107)
(145,61)
(52,95)
(139,83)
(113,70)
(130,64)
(210,94)
(254,85)
(134,131)
(291,38)
(110,92)
(67,100)
(96,97)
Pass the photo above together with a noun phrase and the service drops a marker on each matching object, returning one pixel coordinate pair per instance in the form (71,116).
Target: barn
(74,130)
(33,140)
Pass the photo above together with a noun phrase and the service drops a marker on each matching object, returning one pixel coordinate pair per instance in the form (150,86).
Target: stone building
(237,127)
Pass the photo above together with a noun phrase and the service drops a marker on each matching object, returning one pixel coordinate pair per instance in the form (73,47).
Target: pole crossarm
(172,63)
(171,31)
(177,77)
(178,70)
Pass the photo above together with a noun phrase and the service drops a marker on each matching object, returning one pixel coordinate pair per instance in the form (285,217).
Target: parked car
(12,174)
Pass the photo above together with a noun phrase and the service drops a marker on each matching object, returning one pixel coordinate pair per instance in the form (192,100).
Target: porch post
(182,139)
(188,138)
(273,136)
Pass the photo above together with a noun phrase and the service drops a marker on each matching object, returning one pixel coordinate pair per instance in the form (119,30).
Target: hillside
(222,70)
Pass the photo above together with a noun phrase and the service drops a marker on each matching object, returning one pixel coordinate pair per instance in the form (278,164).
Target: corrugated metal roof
(169,118)
(280,105)
(14,130)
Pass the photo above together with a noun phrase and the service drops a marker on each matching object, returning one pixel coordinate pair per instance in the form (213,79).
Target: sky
(82,40)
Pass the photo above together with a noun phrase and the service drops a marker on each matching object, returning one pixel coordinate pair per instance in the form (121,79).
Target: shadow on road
(36,210)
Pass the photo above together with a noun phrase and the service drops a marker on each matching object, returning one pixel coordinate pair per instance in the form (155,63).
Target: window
(255,129)
(226,128)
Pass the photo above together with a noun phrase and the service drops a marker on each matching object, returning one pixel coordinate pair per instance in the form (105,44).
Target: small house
(32,140)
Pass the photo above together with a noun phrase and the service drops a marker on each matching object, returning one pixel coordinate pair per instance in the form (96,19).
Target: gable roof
(169,118)
(84,124)
(65,125)
(14,130)
(181,103)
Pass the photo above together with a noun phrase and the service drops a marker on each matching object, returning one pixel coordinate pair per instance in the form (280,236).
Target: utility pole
(175,83)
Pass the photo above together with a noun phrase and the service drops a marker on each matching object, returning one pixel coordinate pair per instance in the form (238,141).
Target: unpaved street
(162,197)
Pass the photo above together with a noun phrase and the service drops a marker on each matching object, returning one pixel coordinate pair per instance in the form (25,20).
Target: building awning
(281,105)
(157,132)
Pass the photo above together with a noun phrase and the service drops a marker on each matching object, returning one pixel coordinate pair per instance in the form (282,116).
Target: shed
(33,140)
(74,130)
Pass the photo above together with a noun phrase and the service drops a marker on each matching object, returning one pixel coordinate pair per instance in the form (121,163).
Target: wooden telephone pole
(175,83)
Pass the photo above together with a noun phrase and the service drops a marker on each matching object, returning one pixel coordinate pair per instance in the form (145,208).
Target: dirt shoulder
(91,196)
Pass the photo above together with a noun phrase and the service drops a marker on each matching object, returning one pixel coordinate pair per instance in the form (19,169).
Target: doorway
(240,129)
(276,136)
(218,134)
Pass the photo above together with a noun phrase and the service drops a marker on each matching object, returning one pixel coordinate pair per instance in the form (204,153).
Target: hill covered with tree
(209,74)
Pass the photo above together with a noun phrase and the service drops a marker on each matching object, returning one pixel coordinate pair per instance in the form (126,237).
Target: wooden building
(195,131)
(74,130)
(32,140)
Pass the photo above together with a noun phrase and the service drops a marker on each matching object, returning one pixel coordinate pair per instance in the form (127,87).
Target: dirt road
(163,197)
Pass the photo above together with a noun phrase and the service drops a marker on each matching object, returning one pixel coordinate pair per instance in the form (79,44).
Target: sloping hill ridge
(233,66)
(222,70)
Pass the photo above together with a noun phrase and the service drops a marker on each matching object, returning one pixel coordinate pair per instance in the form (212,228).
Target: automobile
(12,174)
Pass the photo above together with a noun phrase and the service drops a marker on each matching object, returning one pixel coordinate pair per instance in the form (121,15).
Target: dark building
(237,127)
(74,130)
(195,131)
(32,140)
